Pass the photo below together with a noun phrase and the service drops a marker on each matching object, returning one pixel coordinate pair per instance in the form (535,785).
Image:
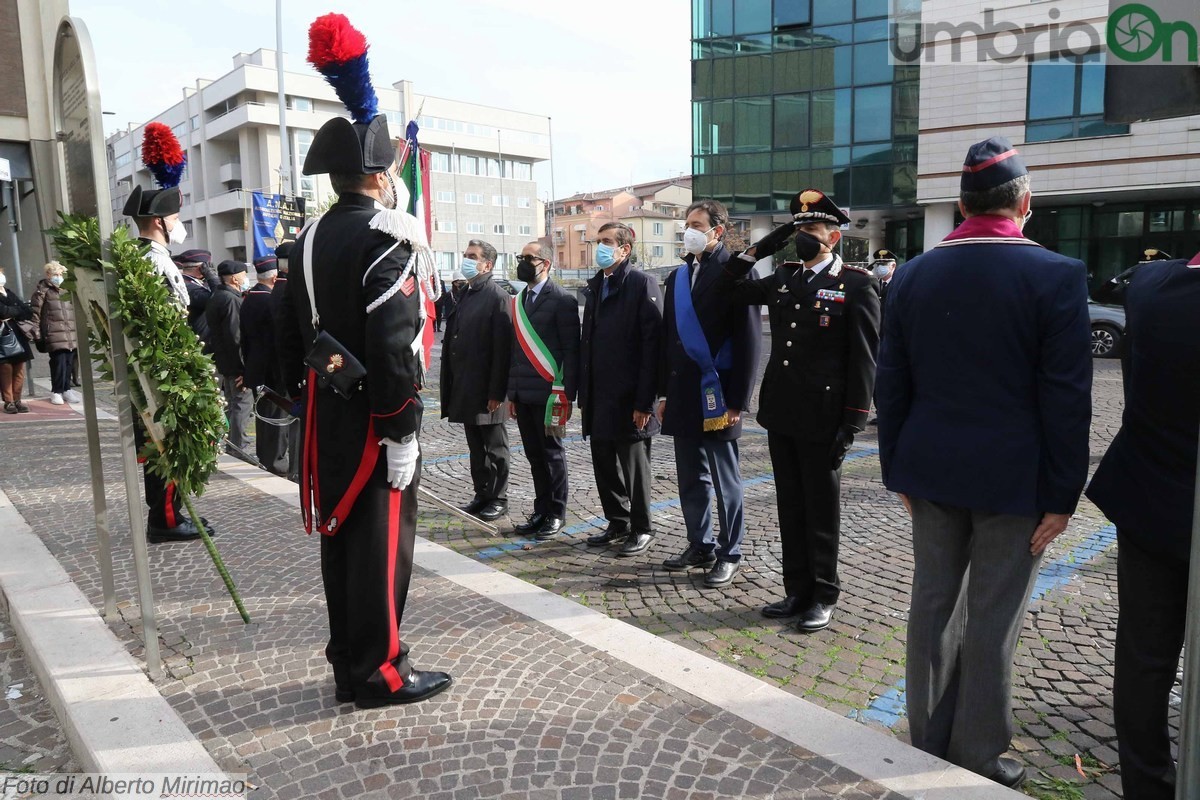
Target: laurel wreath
(165,355)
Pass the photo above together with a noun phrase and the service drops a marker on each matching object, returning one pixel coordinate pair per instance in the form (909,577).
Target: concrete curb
(113,717)
(873,755)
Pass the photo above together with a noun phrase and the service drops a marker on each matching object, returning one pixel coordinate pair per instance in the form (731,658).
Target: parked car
(1108,329)
(512,287)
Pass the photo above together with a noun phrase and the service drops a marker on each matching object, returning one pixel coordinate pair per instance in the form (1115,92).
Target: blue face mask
(469,268)
(605,255)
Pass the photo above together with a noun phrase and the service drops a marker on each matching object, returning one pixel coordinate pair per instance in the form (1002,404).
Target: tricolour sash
(539,355)
(695,344)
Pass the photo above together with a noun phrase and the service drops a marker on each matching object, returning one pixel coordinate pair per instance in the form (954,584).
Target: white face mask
(57,280)
(245,285)
(881,271)
(3,280)
(178,234)
(695,241)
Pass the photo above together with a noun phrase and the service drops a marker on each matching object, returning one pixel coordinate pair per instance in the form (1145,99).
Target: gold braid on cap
(809,197)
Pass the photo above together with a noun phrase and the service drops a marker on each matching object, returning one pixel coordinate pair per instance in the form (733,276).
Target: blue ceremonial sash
(695,344)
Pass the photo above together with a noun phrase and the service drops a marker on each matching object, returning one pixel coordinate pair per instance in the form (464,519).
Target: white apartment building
(1102,193)
(482,181)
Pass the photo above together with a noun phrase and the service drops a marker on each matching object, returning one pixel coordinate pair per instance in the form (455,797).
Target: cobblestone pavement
(30,737)
(855,668)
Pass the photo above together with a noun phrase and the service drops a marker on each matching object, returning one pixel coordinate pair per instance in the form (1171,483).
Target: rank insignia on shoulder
(409,286)
(857,268)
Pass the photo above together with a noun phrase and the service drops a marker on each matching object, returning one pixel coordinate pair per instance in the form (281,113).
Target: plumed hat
(363,147)
(166,161)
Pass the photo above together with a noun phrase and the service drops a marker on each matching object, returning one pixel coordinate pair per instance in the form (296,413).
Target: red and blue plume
(338,50)
(162,155)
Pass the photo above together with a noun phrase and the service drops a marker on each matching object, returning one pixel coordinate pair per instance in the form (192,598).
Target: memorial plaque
(77,121)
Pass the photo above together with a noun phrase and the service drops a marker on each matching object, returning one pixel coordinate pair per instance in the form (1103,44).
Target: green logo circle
(1133,32)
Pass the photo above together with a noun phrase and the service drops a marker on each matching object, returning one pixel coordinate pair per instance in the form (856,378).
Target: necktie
(808,275)
(529,298)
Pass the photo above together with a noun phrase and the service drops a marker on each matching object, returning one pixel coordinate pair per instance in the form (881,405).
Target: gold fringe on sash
(717,423)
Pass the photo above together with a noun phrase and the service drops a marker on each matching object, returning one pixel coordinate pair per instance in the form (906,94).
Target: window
(446,197)
(301,142)
(1066,99)
(583,236)
(599,208)
(523,202)
(300,103)
(500,229)
(493,165)
(196,122)
(473,199)
(498,200)
(791,121)
(658,229)
(474,227)
(122,159)
(658,251)
(525,230)
(468,165)
(447,261)
(446,225)
(522,171)
(583,256)
(440,162)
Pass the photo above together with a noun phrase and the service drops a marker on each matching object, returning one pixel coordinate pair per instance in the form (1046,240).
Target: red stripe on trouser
(169,509)
(366,467)
(388,669)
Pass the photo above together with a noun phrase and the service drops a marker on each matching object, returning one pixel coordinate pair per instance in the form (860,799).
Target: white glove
(401,460)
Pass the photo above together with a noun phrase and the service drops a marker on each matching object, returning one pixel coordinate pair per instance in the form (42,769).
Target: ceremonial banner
(274,219)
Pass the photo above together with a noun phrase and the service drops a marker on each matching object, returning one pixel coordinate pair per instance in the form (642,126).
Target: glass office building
(790,94)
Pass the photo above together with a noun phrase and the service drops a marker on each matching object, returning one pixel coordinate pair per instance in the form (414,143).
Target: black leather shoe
(473,507)
(530,525)
(183,532)
(636,543)
(614,533)
(691,557)
(419,686)
(1011,773)
(721,574)
(789,606)
(492,511)
(343,695)
(816,617)
(551,527)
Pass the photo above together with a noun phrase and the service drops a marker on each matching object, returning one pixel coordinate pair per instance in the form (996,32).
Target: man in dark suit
(542,384)
(262,365)
(709,364)
(201,281)
(476,357)
(618,376)
(225,329)
(883,266)
(292,432)
(359,268)
(985,437)
(824,317)
(1146,485)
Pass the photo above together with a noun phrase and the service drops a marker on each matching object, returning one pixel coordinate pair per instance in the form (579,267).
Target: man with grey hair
(985,439)
(476,354)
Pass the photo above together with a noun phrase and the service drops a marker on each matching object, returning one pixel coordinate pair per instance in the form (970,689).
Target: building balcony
(231,172)
(234,238)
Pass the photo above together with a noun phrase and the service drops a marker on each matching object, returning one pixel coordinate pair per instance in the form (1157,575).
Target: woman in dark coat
(54,331)
(12,369)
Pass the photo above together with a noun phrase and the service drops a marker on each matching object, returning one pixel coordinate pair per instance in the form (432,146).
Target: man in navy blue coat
(1146,485)
(984,398)
(706,453)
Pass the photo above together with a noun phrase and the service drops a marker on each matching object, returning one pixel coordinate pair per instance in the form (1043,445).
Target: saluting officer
(816,391)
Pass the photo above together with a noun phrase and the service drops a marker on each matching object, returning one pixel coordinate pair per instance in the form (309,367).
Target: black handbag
(335,366)
(10,345)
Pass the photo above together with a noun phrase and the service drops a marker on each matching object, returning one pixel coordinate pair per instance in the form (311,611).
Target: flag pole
(285,155)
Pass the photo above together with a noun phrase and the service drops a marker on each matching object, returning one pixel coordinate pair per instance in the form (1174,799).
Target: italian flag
(414,170)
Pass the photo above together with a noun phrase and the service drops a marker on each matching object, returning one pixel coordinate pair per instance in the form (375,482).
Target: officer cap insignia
(812,205)
(1154,254)
(883,255)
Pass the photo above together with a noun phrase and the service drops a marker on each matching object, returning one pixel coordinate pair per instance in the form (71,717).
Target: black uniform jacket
(354,267)
(618,354)
(200,291)
(1146,482)
(554,314)
(223,314)
(477,354)
(258,340)
(824,340)
(721,322)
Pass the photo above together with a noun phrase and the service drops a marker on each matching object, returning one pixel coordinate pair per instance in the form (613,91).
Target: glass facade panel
(827,12)
(702,72)
(871,64)
(752,124)
(752,16)
(873,114)
(722,126)
(866,9)
(752,74)
(793,70)
(721,20)
(833,34)
(791,12)
(722,79)
(791,121)
(1051,89)
(1091,88)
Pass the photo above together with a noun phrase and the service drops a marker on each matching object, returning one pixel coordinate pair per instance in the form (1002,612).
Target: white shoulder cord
(308,272)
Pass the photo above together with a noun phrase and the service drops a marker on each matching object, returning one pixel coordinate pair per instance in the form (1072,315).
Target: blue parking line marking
(888,708)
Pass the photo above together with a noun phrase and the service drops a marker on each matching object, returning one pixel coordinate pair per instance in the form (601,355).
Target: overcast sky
(614,77)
